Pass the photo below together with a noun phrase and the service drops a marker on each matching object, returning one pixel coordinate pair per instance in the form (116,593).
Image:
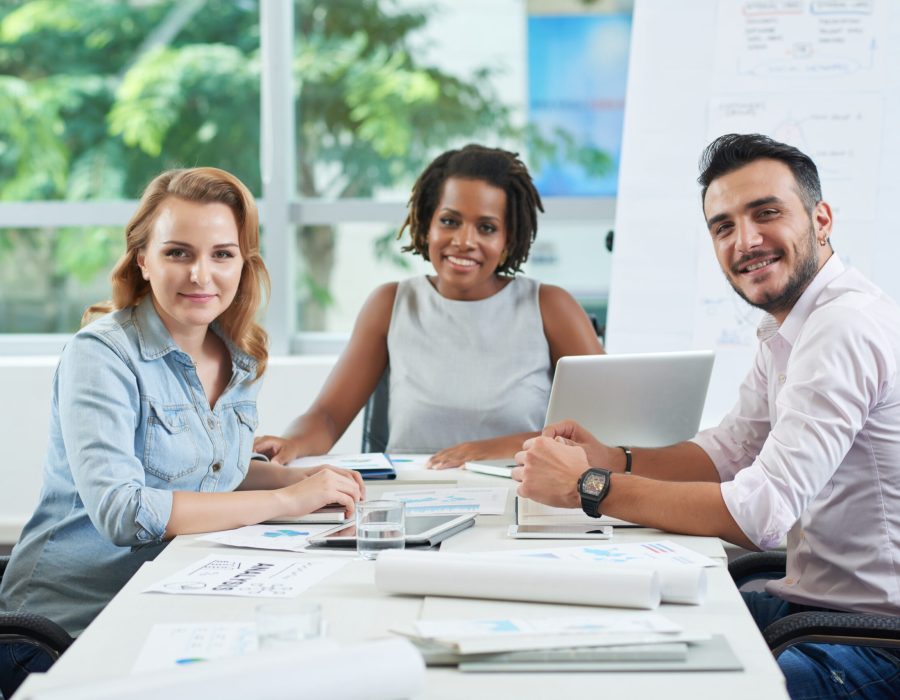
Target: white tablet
(420,530)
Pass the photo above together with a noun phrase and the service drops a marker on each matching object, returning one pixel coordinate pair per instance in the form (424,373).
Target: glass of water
(282,623)
(380,525)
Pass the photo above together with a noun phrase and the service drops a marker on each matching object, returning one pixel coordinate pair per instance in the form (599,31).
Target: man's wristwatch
(592,488)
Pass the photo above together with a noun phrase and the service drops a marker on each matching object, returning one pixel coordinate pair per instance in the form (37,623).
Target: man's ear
(822,220)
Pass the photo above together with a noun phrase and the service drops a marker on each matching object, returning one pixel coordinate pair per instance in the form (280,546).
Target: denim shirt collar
(155,341)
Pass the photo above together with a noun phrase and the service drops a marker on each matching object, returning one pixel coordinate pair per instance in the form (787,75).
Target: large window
(328,111)
(96,98)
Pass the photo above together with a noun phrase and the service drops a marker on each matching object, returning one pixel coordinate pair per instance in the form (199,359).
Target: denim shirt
(130,423)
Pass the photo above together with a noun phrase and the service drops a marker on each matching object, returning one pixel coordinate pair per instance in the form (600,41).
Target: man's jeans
(815,671)
(16,662)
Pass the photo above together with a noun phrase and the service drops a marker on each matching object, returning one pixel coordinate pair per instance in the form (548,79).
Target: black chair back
(376,430)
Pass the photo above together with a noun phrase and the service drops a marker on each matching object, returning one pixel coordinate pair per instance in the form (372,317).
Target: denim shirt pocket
(170,450)
(247,422)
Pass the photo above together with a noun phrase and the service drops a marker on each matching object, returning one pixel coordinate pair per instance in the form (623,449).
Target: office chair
(29,628)
(821,627)
(375,416)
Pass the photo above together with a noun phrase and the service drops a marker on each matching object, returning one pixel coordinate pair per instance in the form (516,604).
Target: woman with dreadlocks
(470,349)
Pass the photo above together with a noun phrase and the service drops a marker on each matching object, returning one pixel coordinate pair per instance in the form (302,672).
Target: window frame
(281,209)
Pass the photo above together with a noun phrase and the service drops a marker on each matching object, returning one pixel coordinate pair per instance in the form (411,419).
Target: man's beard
(806,269)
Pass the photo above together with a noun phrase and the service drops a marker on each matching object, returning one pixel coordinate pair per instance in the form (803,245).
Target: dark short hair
(732,151)
(502,169)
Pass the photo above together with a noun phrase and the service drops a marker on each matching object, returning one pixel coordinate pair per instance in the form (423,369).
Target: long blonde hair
(204,185)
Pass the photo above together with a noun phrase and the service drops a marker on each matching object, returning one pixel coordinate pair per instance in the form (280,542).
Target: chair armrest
(34,629)
(859,629)
(756,565)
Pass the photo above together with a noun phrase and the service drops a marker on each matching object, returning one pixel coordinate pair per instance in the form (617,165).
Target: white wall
(289,386)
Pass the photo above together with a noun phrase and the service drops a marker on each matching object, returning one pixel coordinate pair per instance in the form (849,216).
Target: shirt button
(211,422)
(217,466)
(781,378)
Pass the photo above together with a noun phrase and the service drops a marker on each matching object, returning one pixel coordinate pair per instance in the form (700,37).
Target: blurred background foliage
(98,96)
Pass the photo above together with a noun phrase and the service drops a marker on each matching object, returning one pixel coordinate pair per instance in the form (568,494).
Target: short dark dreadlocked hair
(732,151)
(502,169)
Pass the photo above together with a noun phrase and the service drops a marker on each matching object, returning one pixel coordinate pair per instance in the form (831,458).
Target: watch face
(593,483)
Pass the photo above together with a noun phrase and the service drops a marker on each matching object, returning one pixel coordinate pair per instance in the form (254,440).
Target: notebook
(645,400)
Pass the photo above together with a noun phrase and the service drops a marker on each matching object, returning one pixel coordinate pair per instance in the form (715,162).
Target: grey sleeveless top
(465,370)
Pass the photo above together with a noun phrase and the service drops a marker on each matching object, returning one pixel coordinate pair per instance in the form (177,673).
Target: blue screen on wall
(577,72)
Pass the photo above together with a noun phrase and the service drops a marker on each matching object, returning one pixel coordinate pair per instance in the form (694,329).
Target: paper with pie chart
(449,501)
(286,537)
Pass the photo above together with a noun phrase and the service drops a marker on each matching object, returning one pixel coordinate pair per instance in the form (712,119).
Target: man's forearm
(692,508)
(684,461)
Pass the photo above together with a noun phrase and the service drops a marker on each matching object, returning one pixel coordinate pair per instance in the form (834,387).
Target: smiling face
(767,244)
(467,239)
(193,263)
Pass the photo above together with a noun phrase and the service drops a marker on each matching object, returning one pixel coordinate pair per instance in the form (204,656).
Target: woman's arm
(305,492)
(264,476)
(347,388)
(503,447)
(566,326)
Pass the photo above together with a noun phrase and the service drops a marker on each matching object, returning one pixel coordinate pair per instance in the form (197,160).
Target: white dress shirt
(811,450)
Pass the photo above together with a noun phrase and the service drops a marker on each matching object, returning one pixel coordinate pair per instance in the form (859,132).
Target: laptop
(645,400)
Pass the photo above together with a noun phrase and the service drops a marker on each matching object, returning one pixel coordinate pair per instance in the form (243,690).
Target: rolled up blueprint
(682,584)
(382,670)
(533,580)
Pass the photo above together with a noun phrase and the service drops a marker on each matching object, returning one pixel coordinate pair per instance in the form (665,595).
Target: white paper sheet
(409,462)
(245,576)
(511,634)
(448,501)
(359,462)
(681,570)
(614,623)
(172,645)
(657,552)
(290,538)
(465,576)
(381,670)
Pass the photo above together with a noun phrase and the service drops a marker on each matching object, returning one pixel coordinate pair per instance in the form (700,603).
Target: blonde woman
(153,412)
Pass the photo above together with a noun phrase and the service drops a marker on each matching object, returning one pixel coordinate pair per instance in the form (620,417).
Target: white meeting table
(356,611)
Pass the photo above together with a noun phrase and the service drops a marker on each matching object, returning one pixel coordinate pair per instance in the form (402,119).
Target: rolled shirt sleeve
(99,410)
(832,379)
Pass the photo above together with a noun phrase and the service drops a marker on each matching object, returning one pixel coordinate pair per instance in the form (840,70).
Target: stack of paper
(529,579)
(581,641)
(515,633)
